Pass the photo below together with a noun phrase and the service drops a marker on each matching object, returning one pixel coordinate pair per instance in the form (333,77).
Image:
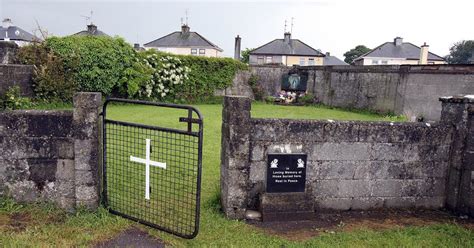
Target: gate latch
(190,121)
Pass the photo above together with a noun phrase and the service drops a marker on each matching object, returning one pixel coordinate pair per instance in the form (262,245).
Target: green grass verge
(85,228)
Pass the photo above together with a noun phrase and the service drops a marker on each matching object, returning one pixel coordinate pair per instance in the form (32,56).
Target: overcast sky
(329,25)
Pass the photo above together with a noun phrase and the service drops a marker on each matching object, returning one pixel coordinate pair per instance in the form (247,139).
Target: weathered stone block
(394,152)
(258,171)
(86,193)
(337,169)
(333,203)
(65,169)
(42,171)
(341,188)
(365,203)
(387,188)
(340,151)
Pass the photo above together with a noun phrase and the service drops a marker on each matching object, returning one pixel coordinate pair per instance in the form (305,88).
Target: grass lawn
(44,225)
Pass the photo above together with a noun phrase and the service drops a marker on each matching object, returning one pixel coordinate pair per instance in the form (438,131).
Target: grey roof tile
(280,47)
(405,50)
(333,60)
(15,33)
(180,39)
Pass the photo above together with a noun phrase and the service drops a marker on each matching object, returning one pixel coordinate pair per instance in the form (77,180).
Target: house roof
(91,30)
(282,47)
(405,50)
(182,39)
(15,33)
(333,60)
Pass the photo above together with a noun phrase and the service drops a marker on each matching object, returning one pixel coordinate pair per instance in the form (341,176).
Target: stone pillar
(86,148)
(235,161)
(458,111)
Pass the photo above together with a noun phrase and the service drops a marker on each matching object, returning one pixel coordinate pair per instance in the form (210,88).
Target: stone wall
(52,155)
(458,112)
(351,164)
(412,90)
(8,52)
(16,75)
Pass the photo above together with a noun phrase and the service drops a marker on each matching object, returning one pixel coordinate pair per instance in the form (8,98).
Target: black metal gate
(152,174)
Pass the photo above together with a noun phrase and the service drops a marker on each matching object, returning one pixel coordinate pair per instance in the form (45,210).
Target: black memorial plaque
(286,173)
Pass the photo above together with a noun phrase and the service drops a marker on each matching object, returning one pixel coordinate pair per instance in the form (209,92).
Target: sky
(333,26)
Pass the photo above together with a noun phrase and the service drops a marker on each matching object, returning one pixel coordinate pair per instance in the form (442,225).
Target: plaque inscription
(286,173)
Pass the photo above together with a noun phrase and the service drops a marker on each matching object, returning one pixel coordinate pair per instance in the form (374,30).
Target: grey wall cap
(458,99)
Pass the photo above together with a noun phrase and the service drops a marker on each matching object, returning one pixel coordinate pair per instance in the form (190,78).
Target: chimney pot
(7,22)
(423,54)
(328,54)
(398,41)
(185,29)
(91,28)
(237,48)
(287,37)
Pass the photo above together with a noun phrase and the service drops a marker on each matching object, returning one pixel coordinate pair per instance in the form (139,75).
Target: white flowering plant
(169,72)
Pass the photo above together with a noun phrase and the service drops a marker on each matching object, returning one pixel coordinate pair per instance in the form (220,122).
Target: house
(286,51)
(91,31)
(399,53)
(332,60)
(185,42)
(8,32)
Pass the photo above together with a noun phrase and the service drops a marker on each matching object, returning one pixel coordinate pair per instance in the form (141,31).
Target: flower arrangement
(288,96)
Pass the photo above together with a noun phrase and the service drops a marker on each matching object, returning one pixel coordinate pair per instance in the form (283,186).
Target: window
(311,61)
(260,60)
(193,51)
(375,62)
(384,62)
(202,51)
(268,59)
(302,61)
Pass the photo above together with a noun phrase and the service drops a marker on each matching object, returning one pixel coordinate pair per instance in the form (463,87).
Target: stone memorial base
(286,206)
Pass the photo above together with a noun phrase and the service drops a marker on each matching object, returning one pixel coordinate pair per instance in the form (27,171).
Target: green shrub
(101,64)
(13,99)
(199,76)
(53,79)
(257,89)
(306,99)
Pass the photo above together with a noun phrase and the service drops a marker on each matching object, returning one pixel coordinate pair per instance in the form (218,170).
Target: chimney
(91,28)
(136,46)
(7,22)
(423,55)
(237,48)
(398,41)
(328,54)
(287,37)
(184,29)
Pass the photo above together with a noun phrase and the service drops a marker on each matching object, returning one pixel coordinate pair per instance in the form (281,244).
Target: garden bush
(64,65)
(195,78)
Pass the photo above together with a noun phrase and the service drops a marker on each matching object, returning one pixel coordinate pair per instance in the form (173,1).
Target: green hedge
(205,75)
(111,66)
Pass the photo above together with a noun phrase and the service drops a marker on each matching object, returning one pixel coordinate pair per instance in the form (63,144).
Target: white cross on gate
(147,163)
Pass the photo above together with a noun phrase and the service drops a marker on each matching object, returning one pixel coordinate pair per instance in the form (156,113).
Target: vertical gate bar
(198,188)
(190,117)
(104,155)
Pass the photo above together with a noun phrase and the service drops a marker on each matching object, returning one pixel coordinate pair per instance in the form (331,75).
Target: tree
(245,55)
(461,52)
(354,53)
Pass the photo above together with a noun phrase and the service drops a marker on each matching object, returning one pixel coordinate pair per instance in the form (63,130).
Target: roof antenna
(186,17)
(182,23)
(88,18)
(285,25)
(291,30)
